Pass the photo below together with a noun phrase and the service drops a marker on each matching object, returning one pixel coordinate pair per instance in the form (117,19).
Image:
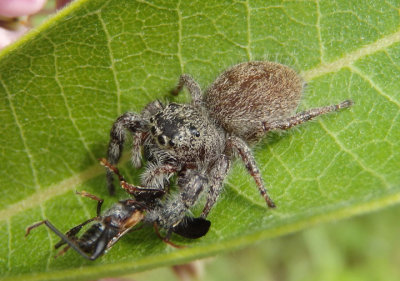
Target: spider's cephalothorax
(186,133)
(197,141)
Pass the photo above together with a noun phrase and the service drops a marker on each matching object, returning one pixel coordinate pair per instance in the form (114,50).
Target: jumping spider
(118,220)
(197,141)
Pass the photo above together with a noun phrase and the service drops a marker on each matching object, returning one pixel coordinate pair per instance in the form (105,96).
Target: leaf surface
(64,84)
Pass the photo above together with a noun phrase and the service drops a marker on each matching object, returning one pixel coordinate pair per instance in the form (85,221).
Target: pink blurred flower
(9,11)
(18,8)
(9,36)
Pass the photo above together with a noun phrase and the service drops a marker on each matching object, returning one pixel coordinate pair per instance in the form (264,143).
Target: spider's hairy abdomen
(252,92)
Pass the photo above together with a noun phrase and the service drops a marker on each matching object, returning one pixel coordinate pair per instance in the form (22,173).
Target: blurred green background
(361,248)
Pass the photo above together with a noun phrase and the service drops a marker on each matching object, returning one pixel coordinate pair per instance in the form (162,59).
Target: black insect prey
(115,222)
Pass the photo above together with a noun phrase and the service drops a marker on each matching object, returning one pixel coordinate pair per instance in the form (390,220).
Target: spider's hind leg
(304,116)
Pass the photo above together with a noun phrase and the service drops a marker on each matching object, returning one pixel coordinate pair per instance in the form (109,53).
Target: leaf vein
(9,244)
(351,58)
(68,108)
(30,158)
(374,85)
(112,62)
(57,189)
(248,26)
(354,155)
(318,25)
(179,41)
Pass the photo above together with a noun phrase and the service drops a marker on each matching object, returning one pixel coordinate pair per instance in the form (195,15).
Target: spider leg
(157,175)
(304,116)
(140,137)
(130,188)
(217,176)
(193,87)
(128,121)
(251,166)
(191,185)
(173,211)
(151,109)
(136,153)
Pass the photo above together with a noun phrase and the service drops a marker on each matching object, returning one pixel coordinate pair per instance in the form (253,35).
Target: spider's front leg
(137,125)
(136,154)
(193,87)
(157,175)
(134,190)
(173,211)
(129,121)
(217,175)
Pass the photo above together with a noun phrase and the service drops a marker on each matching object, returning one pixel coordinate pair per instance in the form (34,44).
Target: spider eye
(171,143)
(153,130)
(194,131)
(161,140)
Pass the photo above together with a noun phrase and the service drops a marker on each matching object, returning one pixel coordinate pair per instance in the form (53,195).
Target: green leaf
(64,84)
